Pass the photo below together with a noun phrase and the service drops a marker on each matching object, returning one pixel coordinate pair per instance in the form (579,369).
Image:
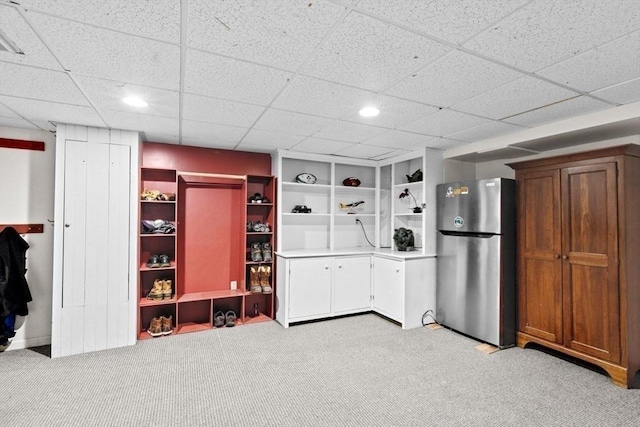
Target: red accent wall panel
(22,144)
(198,159)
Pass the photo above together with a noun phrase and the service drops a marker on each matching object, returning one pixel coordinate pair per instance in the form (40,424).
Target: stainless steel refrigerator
(475,291)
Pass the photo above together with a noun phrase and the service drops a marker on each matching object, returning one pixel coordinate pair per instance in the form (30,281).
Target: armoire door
(540,266)
(590,260)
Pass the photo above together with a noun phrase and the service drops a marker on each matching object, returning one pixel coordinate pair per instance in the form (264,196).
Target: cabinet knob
(326,267)
(340,266)
(67,225)
(397,270)
(557,256)
(565,257)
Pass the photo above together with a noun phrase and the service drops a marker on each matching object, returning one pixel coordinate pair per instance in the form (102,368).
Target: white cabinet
(404,288)
(310,287)
(388,287)
(351,284)
(318,287)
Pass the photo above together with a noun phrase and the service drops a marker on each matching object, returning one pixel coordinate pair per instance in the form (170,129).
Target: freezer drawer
(470,295)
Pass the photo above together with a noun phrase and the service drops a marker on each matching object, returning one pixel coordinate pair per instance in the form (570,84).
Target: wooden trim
(21,144)
(630,150)
(24,228)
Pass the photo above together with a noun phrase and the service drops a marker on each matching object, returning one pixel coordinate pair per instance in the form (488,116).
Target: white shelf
(346,189)
(291,214)
(298,186)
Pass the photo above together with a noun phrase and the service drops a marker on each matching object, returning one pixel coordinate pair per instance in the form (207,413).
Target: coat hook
(51,222)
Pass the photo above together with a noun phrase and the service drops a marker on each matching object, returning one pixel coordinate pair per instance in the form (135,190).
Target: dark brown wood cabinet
(578,257)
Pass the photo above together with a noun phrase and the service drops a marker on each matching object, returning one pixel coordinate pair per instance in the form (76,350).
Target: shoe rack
(209,254)
(260,236)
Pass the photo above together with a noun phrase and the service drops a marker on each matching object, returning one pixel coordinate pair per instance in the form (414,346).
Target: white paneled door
(92,290)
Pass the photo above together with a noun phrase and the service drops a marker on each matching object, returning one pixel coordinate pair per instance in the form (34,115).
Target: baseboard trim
(21,344)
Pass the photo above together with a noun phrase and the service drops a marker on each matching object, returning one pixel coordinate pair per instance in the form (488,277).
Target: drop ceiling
(257,76)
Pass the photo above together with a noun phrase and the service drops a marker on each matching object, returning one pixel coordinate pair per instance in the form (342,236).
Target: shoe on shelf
(166,325)
(254,280)
(256,198)
(219,319)
(149,194)
(155,328)
(231,319)
(266,252)
(265,275)
(163,259)
(167,288)
(256,252)
(156,293)
(153,262)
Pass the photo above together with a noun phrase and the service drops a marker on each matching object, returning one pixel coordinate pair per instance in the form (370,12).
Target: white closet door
(94,311)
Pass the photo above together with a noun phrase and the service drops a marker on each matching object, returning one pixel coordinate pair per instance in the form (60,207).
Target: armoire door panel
(539,271)
(590,271)
(542,314)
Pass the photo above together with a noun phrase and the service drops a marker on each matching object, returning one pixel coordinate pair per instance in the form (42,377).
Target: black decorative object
(415,177)
(301,209)
(306,178)
(403,238)
(351,182)
(407,193)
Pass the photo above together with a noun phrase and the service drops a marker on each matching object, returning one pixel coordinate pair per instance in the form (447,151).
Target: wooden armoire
(579,257)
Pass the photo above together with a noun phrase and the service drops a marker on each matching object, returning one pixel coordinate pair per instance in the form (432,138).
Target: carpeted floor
(353,371)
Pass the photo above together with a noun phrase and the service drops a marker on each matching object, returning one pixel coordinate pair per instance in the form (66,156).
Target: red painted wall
(198,159)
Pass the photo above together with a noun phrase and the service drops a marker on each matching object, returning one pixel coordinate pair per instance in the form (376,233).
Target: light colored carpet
(353,371)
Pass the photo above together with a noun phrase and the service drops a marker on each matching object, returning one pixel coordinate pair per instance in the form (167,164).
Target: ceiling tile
(391,154)
(320,146)
(288,122)
(624,93)
(17,122)
(321,98)
(55,112)
(363,151)
(111,55)
(397,139)
(560,111)
(485,131)
(226,78)
(212,110)
(452,79)
(444,122)
(277,33)
(19,32)
(108,95)
(208,143)
(211,133)
(519,96)
(454,21)
(339,130)
(545,32)
(394,112)
(37,83)
(159,19)
(615,62)
(371,54)
(267,140)
(141,122)
(5,112)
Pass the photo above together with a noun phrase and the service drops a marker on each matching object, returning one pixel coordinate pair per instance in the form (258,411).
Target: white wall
(26,197)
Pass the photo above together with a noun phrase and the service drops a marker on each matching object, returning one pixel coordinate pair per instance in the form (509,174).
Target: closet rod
(24,228)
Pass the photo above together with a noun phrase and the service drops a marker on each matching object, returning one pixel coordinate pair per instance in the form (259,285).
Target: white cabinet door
(310,287)
(351,284)
(388,285)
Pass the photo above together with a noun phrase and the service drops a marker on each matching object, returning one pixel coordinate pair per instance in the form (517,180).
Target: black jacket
(14,290)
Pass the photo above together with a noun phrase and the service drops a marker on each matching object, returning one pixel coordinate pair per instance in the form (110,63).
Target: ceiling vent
(7,45)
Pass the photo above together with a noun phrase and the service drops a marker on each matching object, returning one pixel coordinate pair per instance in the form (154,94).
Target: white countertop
(384,252)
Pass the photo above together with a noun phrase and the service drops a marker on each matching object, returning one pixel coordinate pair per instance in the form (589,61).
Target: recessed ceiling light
(135,101)
(369,112)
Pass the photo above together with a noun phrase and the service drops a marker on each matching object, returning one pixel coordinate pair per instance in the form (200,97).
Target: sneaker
(266,252)
(156,292)
(256,252)
(166,325)
(155,328)
(219,319)
(164,260)
(153,261)
(231,319)
(167,288)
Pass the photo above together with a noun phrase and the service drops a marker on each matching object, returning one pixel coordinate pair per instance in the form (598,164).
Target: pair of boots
(259,279)
(161,326)
(261,252)
(162,289)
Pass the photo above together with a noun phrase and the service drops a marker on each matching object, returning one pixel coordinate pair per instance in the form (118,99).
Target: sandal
(219,319)
(231,319)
